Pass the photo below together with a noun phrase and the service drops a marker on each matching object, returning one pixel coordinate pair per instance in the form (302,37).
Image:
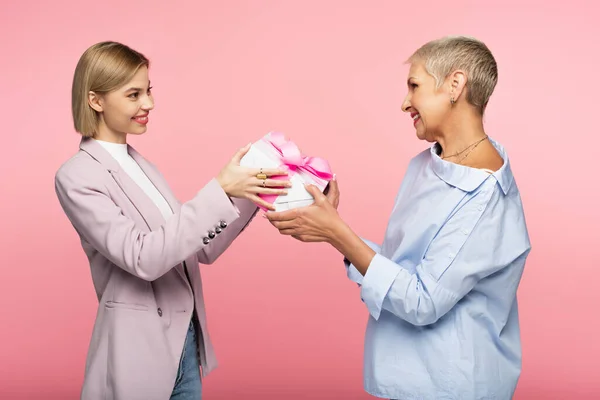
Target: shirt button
(451,255)
(465,232)
(159,311)
(480,208)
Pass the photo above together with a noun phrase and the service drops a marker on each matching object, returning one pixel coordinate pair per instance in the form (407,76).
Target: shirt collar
(467,178)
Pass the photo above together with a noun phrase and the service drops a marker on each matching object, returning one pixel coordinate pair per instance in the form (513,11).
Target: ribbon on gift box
(290,156)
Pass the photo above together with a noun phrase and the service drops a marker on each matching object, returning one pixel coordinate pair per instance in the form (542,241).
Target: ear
(95,101)
(458,84)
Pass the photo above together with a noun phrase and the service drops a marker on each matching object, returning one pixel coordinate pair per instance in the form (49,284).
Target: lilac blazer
(137,262)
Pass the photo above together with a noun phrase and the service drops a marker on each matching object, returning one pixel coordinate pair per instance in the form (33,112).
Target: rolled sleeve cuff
(353,273)
(377,282)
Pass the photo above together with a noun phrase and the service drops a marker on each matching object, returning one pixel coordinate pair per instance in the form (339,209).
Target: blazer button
(223,224)
(211,234)
(218,230)
(159,312)
(206,240)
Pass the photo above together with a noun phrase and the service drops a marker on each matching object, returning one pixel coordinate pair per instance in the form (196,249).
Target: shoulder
(80,169)
(419,159)
(502,218)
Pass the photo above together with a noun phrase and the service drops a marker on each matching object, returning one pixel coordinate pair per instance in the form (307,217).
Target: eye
(149,90)
(413,86)
(134,95)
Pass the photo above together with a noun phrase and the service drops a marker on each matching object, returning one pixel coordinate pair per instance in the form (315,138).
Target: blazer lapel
(145,206)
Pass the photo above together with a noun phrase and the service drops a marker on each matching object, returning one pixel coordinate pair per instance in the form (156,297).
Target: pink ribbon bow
(294,160)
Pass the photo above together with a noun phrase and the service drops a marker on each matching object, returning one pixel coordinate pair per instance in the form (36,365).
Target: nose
(148,103)
(406,106)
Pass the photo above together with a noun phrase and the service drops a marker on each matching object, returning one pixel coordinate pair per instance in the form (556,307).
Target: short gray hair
(443,56)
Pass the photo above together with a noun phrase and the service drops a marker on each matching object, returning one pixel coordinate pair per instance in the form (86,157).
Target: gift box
(275,151)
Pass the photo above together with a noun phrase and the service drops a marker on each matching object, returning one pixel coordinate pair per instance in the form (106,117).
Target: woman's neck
(460,136)
(106,134)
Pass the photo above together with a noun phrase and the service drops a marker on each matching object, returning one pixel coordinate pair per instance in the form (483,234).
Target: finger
(258,200)
(237,157)
(307,238)
(284,225)
(266,190)
(282,215)
(333,194)
(334,191)
(268,171)
(271,183)
(314,192)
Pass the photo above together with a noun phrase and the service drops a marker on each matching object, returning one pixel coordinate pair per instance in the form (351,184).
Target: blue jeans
(188,385)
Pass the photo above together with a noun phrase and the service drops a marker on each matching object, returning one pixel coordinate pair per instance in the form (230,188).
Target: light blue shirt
(441,290)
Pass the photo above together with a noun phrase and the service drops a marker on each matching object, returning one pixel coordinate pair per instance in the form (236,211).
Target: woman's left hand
(314,223)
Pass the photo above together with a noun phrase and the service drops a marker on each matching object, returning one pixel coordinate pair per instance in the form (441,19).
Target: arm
(210,253)
(147,255)
(470,247)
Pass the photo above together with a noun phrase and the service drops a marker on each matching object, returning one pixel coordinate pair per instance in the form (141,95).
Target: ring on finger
(264,184)
(261,175)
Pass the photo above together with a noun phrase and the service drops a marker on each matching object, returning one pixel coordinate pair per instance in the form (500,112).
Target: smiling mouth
(143,119)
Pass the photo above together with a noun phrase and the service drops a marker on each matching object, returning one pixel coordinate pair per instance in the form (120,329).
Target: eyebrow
(136,89)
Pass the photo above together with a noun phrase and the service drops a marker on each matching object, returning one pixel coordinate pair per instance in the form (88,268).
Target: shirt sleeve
(351,270)
(484,236)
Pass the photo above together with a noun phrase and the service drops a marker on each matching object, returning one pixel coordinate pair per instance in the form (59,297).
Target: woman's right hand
(241,182)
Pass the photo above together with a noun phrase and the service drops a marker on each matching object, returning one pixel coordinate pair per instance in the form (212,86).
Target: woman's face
(126,109)
(428,106)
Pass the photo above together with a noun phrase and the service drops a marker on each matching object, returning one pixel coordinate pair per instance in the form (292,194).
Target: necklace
(471,147)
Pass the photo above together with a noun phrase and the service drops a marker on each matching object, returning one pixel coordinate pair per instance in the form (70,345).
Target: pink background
(330,74)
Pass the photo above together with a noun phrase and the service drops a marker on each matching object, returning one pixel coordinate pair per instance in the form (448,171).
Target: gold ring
(260,175)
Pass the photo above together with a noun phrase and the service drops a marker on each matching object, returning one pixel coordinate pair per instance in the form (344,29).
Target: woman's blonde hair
(102,68)
(446,55)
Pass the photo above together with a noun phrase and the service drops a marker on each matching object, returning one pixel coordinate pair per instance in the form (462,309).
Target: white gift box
(274,151)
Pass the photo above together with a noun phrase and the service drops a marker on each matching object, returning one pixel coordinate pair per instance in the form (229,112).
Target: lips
(416,117)
(141,119)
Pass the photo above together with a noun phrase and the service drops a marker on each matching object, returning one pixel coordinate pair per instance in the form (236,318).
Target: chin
(138,131)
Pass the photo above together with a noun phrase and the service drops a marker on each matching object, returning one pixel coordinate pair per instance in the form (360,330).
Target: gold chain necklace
(471,147)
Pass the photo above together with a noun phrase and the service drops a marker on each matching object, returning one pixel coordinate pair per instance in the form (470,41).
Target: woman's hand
(320,222)
(242,182)
(315,223)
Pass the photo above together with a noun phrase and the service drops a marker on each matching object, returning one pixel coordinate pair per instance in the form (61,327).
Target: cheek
(119,116)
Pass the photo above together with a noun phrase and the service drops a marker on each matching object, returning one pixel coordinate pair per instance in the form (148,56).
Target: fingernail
(334,177)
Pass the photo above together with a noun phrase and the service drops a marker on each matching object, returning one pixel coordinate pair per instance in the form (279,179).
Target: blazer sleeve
(210,253)
(147,255)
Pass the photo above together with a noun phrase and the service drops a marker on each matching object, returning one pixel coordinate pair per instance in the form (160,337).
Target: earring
(452,101)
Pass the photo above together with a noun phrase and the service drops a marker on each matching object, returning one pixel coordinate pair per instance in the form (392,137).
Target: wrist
(223,185)
(338,234)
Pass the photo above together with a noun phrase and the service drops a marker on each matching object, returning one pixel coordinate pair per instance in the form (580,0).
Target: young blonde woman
(441,288)
(150,340)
